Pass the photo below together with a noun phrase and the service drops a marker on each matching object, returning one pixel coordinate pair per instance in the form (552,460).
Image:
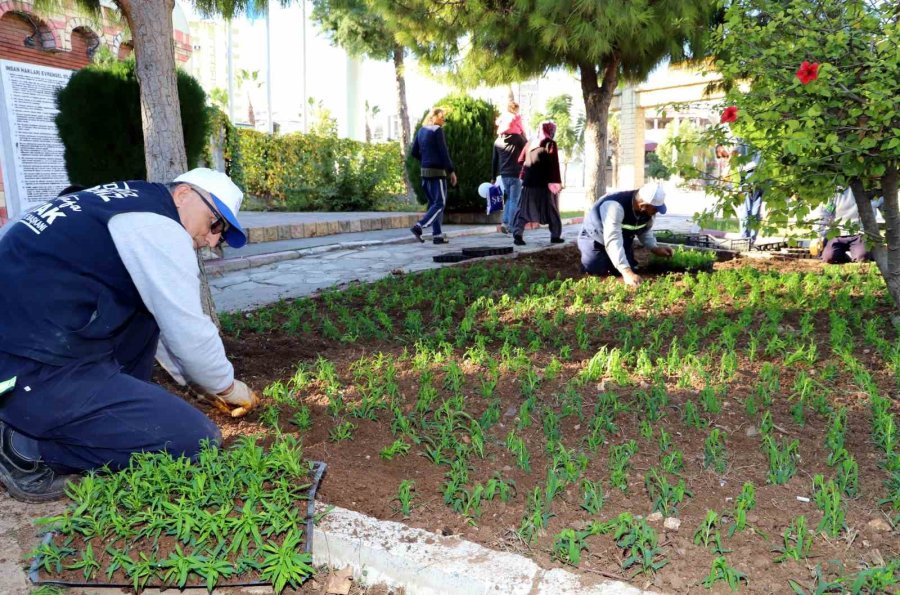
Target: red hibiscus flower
(729,115)
(808,72)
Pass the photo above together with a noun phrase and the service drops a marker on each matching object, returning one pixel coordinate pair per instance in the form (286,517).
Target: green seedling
(834,437)
(88,563)
(665,496)
(302,418)
(269,416)
(691,417)
(714,451)
(619,456)
(664,441)
(828,499)
(568,545)
(497,487)
(342,431)
(766,425)
(537,515)
(592,496)
(404,497)
(517,447)
(708,535)
(709,399)
(782,460)
(285,564)
(646,429)
(847,473)
(639,542)
(721,571)
(797,541)
(398,448)
(672,462)
(746,501)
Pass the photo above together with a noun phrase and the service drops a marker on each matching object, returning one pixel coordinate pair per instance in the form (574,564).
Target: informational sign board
(34,167)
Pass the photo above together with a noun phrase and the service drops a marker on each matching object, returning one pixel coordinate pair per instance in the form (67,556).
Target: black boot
(25,479)
(440,240)
(417,231)
(557,241)
(518,241)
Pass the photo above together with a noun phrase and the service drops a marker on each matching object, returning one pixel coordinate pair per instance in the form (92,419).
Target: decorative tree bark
(403,110)
(151,30)
(597,99)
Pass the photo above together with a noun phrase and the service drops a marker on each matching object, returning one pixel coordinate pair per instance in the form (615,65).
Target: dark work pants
(845,249)
(88,414)
(595,260)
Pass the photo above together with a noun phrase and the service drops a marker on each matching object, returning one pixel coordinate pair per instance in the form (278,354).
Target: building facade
(68,39)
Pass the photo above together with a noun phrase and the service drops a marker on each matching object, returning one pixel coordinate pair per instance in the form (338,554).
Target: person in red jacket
(541,183)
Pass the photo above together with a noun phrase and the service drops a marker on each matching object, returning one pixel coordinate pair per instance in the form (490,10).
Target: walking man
(430,148)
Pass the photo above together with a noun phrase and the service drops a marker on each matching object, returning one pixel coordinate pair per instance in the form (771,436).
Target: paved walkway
(317,270)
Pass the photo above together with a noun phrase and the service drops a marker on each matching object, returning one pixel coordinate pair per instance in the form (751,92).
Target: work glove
(237,401)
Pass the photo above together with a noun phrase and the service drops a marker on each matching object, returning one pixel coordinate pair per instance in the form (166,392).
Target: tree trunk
(597,99)
(403,110)
(887,257)
(154,53)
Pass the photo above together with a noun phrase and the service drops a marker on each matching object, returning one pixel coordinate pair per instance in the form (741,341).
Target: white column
(355,126)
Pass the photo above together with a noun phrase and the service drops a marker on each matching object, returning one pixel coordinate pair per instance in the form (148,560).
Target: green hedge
(470,132)
(99,123)
(305,172)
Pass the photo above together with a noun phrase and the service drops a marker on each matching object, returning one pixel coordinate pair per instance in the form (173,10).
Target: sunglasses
(220,225)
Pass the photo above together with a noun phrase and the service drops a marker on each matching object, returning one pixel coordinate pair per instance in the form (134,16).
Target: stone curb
(424,563)
(227,265)
(314,229)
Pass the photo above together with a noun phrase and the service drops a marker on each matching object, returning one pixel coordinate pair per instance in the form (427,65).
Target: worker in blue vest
(607,234)
(97,284)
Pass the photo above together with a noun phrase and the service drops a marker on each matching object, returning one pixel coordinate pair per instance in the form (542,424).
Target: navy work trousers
(88,414)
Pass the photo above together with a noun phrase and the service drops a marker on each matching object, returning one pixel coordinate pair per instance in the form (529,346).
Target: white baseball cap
(654,195)
(226,196)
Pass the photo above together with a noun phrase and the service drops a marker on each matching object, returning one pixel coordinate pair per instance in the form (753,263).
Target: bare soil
(360,480)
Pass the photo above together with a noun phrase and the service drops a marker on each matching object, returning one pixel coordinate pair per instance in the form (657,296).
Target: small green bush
(655,167)
(306,172)
(470,131)
(99,123)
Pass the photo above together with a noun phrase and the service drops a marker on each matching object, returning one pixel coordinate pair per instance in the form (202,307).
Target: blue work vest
(632,223)
(65,294)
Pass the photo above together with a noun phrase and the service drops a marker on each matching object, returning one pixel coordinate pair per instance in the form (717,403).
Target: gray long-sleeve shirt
(159,256)
(604,225)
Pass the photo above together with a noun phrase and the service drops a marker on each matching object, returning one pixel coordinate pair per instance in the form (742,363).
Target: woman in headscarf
(541,184)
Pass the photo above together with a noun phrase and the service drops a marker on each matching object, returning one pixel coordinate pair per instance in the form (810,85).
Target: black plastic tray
(451,257)
(318,470)
(487,251)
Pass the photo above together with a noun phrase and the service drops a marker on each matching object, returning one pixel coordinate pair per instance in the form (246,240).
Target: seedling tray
(316,472)
(451,257)
(487,251)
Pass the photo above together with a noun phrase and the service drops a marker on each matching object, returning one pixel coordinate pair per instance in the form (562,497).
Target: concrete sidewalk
(323,267)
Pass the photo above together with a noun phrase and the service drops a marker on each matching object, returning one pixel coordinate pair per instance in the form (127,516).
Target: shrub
(306,172)
(655,167)
(99,123)
(470,131)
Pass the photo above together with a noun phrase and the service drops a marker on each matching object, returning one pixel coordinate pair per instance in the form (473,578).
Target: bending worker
(95,284)
(610,226)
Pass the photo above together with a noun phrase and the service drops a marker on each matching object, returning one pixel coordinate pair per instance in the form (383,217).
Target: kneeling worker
(95,284)
(610,226)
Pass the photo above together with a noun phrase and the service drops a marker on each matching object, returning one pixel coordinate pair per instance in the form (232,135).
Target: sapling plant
(782,459)
(619,456)
(397,448)
(828,499)
(796,541)
(568,545)
(665,496)
(714,451)
(746,501)
(721,571)
(342,431)
(592,496)
(708,534)
(404,497)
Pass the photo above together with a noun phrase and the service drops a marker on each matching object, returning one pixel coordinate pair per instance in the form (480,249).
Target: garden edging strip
(393,554)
